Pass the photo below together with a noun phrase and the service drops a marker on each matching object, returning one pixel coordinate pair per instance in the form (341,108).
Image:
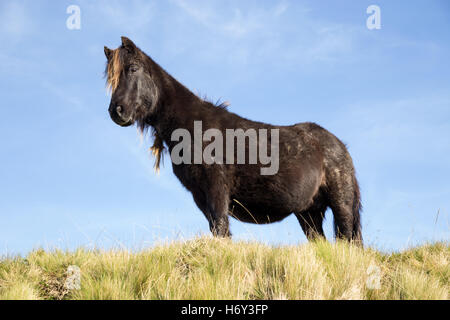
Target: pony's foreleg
(215,208)
(218,216)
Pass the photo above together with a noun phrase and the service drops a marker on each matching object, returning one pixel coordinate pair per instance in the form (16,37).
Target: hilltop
(208,268)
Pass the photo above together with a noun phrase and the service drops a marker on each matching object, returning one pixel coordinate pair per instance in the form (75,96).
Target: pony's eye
(134,68)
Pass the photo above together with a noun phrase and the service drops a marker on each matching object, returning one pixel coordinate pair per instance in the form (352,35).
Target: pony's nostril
(119,110)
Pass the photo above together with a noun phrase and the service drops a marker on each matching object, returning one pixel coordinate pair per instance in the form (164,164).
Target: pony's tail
(356,212)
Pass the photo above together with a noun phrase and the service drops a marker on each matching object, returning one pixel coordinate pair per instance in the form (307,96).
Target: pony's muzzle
(117,115)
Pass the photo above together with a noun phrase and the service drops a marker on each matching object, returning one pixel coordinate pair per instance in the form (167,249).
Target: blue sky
(70,177)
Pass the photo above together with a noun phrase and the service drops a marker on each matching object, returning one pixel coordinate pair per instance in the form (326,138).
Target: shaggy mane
(113,70)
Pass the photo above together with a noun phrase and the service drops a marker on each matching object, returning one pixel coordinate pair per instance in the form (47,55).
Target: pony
(315,172)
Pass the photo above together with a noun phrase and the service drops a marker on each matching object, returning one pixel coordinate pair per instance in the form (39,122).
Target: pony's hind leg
(311,222)
(345,203)
(343,224)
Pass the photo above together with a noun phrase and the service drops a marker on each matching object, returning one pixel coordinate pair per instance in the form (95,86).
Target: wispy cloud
(254,34)
(232,21)
(130,16)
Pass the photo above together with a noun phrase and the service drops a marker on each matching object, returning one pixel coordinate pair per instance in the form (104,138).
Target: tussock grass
(208,268)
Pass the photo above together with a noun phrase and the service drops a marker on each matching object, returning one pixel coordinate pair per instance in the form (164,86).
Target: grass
(207,268)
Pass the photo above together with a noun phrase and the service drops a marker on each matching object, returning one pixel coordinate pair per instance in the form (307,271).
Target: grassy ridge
(222,269)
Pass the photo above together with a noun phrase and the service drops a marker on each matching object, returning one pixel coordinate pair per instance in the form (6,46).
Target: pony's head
(133,85)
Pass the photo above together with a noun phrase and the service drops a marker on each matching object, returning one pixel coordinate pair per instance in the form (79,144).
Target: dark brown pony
(315,169)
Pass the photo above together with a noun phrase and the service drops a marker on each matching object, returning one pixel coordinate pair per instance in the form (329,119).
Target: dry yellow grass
(208,268)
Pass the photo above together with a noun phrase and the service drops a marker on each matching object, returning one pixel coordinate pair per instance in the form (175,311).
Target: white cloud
(229,21)
(258,34)
(133,16)
(236,25)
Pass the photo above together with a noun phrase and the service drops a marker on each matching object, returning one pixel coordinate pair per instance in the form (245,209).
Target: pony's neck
(176,108)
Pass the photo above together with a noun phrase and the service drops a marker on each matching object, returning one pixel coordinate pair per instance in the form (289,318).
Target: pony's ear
(128,44)
(108,52)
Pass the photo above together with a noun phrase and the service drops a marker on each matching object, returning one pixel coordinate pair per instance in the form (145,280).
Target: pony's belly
(257,214)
